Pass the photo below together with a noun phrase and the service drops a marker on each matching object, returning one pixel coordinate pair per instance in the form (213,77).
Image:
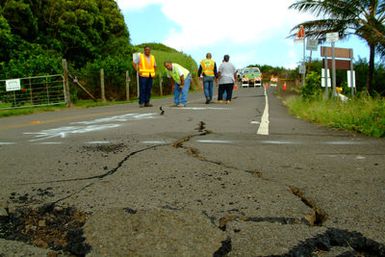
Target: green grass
(361,114)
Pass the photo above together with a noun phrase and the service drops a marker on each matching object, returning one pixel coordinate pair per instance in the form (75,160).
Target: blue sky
(250,31)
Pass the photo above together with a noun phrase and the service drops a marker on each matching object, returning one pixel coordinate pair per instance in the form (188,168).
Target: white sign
(12,85)
(323,78)
(323,82)
(332,37)
(135,56)
(349,79)
(302,69)
(312,44)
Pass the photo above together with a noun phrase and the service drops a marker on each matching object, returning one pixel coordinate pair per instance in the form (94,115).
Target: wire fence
(32,91)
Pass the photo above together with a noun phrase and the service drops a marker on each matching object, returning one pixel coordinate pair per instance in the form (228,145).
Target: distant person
(208,69)
(180,81)
(145,65)
(227,75)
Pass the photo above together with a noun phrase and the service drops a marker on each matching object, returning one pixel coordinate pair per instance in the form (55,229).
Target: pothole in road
(105,148)
(48,226)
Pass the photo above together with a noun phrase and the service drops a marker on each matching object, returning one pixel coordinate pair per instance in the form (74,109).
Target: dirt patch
(49,226)
(34,197)
(105,148)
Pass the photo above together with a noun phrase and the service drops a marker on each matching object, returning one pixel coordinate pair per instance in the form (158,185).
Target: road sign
(350,78)
(323,78)
(302,69)
(332,37)
(338,52)
(12,85)
(340,64)
(312,44)
(135,56)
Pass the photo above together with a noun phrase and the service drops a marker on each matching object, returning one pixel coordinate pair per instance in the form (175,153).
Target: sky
(250,31)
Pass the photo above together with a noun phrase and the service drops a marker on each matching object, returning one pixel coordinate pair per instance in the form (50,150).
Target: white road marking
(155,142)
(199,108)
(215,141)
(280,142)
(341,143)
(7,143)
(264,127)
(119,118)
(98,142)
(50,143)
(63,132)
(89,126)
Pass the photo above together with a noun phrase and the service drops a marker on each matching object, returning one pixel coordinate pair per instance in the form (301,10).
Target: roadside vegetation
(363,114)
(364,111)
(90,34)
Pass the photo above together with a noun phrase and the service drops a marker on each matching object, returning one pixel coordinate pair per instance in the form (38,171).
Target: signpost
(302,69)
(135,56)
(333,38)
(345,62)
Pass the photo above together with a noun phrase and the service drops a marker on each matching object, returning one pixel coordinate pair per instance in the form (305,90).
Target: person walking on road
(227,75)
(208,69)
(180,81)
(145,65)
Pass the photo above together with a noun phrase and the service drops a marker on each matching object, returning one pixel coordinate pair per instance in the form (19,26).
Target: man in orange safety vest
(145,65)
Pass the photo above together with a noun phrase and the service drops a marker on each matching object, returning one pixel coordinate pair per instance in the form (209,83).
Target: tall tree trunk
(369,81)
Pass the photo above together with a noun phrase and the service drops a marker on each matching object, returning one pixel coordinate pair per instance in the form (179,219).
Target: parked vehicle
(251,77)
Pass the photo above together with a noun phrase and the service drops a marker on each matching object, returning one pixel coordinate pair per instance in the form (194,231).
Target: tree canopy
(78,30)
(363,18)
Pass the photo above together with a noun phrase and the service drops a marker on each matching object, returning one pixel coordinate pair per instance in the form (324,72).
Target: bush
(115,68)
(312,89)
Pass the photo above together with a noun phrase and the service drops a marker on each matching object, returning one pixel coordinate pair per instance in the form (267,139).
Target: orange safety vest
(146,69)
(208,67)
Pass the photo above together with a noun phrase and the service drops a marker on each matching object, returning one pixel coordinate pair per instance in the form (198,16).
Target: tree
(363,18)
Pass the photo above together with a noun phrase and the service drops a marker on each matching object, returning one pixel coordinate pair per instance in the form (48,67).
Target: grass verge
(361,114)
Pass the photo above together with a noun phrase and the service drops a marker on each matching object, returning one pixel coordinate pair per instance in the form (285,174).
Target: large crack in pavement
(29,225)
(357,244)
(333,237)
(318,216)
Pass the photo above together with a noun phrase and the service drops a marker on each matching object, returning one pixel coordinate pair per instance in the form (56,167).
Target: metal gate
(32,91)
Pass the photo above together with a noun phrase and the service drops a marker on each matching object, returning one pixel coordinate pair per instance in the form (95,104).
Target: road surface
(239,179)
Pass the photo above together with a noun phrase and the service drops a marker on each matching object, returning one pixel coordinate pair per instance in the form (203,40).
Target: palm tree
(363,18)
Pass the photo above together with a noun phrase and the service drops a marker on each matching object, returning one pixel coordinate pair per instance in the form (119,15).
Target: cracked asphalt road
(197,181)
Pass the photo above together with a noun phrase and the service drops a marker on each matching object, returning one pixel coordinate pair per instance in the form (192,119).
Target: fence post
(67,95)
(102,85)
(160,85)
(30,91)
(128,86)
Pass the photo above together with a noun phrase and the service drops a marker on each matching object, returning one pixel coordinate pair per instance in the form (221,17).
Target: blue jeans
(145,86)
(180,94)
(208,85)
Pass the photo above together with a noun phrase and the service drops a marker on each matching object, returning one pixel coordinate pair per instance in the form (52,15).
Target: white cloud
(209,24)
(205,23)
